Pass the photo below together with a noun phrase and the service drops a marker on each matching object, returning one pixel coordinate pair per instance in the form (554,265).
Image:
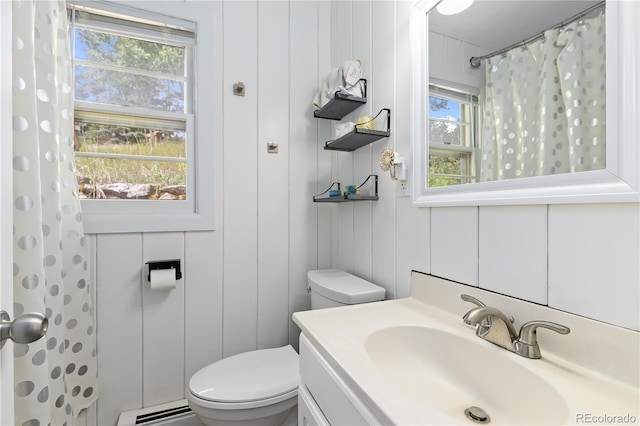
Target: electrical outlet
(403,190)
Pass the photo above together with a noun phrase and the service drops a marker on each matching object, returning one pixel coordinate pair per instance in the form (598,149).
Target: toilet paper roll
(163,279)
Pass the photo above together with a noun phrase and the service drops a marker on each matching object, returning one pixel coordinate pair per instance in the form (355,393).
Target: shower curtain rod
(475,60)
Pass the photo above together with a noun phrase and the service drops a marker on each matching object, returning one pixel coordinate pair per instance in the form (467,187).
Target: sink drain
(477,415)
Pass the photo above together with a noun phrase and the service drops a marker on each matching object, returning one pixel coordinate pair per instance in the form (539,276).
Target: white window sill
(180,222)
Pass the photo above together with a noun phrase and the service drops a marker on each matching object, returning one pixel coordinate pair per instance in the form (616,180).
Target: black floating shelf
(341,104)
(355,139)
(342,198)
(345,198)
(359,137)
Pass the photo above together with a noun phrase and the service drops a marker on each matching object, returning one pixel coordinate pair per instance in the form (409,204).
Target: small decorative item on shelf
(345,81)
(352,190)
(335,192)
(351,193)
(361,135)
(365,122)
(341,129)
(342,103)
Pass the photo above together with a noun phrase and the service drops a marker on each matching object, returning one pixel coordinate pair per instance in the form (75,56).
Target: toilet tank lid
(344,287)
(249,376)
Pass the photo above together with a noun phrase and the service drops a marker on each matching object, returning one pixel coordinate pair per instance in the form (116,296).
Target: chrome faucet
(494,326)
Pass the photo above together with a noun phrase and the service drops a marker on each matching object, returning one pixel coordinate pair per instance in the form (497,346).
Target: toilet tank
(331,287)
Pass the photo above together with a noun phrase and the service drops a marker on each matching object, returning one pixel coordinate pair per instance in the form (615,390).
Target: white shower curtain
(544,110)
(55,377)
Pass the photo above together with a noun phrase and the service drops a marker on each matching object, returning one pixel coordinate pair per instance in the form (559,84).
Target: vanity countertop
(592,371)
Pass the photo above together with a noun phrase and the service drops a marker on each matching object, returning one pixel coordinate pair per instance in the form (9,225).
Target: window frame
(468,149)
(196,213)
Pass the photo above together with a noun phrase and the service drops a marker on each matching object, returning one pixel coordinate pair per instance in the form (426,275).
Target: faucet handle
(480,304)
(485,324)
(472,299)
(528,330)
(527,344)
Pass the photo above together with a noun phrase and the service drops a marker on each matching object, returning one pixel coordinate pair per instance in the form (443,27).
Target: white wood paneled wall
(578,258)
(451,60)
(412,231)
(370,241)
(342,45)
(242,281)
(309,224)
(240,232)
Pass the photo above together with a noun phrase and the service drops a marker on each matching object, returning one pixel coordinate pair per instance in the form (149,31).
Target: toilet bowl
(252,388)
(260,388)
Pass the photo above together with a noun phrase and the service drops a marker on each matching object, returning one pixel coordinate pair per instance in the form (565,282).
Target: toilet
(260,388)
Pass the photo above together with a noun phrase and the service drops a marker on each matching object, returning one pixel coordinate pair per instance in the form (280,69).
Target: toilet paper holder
(164,264)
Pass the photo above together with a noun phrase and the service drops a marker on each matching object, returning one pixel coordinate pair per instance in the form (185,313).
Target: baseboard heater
(176,413)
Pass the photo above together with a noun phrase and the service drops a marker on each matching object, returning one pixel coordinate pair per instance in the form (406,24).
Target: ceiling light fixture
(451,7)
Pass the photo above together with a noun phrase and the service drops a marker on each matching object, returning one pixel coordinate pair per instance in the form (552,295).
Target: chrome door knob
(26,328)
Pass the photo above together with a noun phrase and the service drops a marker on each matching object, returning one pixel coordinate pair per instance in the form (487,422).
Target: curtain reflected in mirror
(541,99)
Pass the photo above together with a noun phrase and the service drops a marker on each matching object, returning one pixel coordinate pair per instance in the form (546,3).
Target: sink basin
(452,373)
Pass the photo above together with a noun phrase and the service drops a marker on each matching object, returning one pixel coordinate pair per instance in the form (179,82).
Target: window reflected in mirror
(452,136)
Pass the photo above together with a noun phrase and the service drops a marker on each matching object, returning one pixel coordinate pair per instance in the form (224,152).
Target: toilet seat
(230,406)
(247,380)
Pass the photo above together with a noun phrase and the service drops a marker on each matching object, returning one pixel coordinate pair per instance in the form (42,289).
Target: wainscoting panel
(513,251)
(119,324)
(454,244)
(594,269)
(162,324)
(203,289)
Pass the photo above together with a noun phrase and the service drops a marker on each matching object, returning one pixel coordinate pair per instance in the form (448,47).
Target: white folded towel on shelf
(345,79)
(341,129)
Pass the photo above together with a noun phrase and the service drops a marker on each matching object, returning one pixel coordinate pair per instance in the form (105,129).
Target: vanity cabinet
(309,414)
(324,398)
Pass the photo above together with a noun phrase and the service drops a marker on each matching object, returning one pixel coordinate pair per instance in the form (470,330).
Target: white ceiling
(496,24)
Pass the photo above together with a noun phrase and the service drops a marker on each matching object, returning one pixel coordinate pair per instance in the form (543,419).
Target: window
(134,111)
(452,136)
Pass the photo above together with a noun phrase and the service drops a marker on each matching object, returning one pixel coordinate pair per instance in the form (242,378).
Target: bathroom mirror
(613,179)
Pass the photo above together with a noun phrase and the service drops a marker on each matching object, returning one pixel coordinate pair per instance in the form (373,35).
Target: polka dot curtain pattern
(544,110)
(55,377)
